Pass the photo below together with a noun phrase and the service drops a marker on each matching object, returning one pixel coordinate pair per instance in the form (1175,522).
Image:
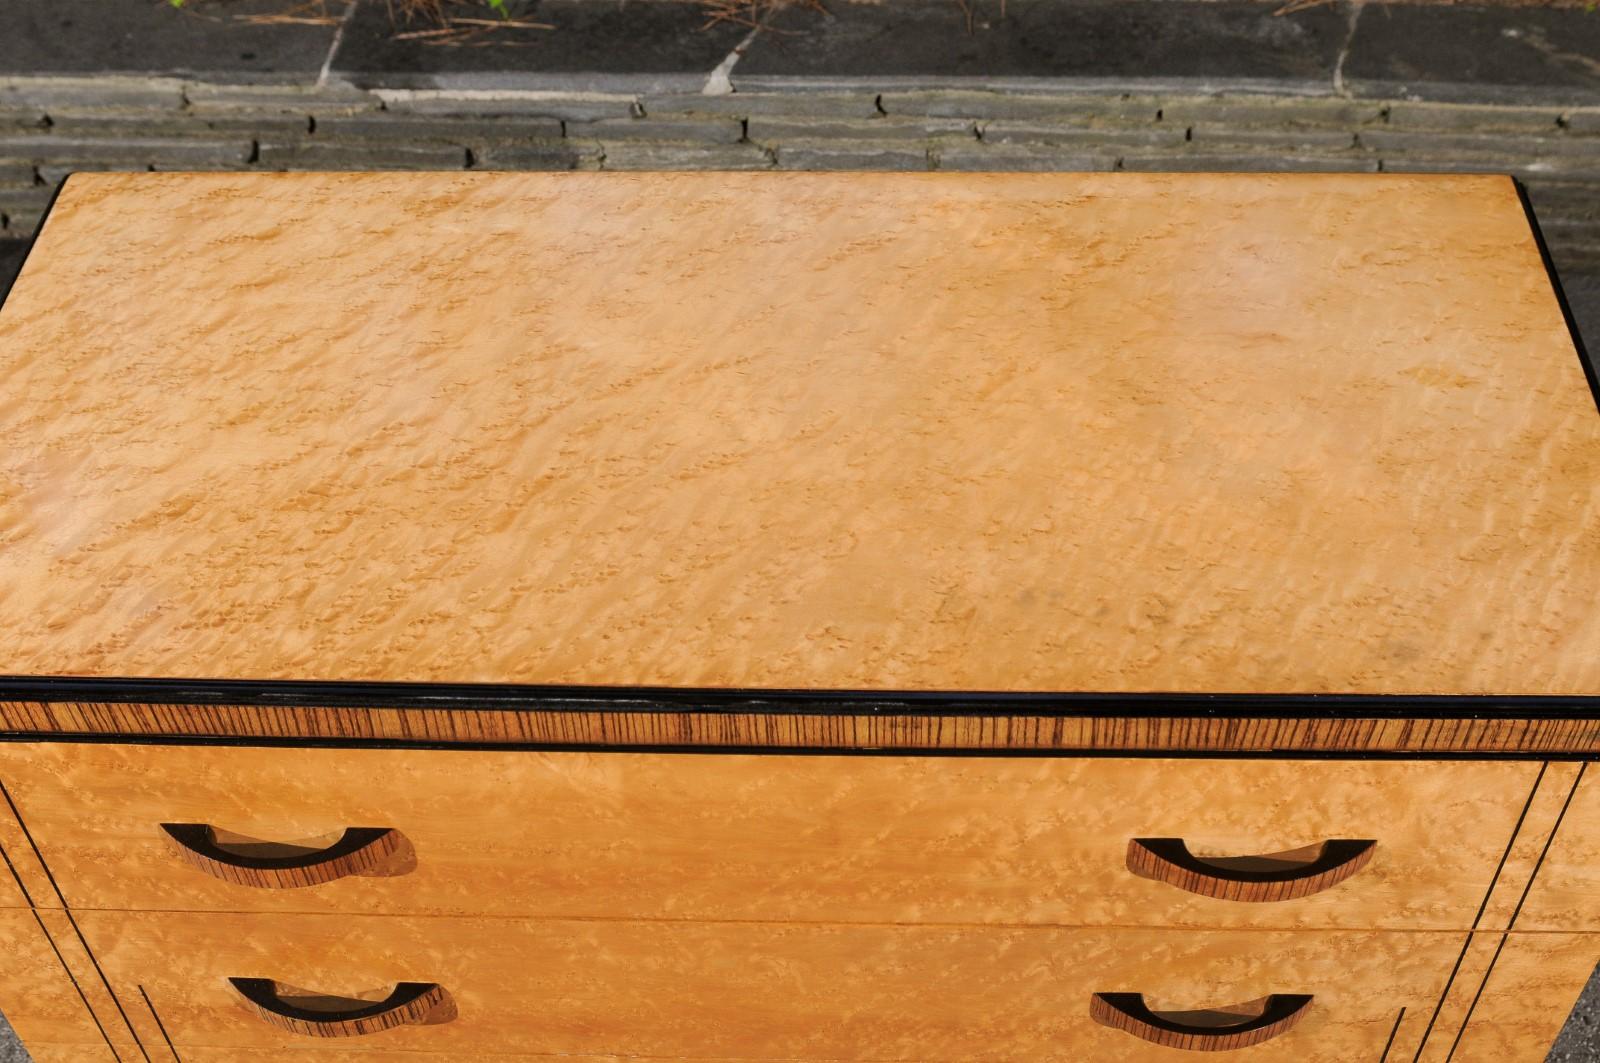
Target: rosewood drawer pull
(1211,1030)
(369,851)
(1269,877)
(318,1015)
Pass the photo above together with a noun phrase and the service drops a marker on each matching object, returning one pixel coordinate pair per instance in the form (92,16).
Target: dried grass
(444,27)
(754,14)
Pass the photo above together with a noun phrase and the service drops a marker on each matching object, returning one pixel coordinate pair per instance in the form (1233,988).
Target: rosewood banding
(1169,860)
(410,1004)
(1129,1013)
(368,851)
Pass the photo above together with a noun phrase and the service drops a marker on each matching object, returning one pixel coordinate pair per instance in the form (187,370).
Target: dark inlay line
(1547,843)
(1476,997)
(1505,936)
(74,980)
(45,931)
(67,911)
(13,869)
(1443,997)
(159,1024)
(1510,844)
(1398,1019)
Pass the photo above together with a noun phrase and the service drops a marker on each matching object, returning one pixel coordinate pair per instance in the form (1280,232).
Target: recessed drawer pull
(319,1015)
(1211,1030)
(1268,877)
(371,851)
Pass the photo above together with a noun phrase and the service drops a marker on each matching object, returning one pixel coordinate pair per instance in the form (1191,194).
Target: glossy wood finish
(1545,812)
(769,990)
(111,1016)
(1565,894)
(1528,994)
(23,880)
(1446,731)
(861,431)
(829,838)
(42,1000)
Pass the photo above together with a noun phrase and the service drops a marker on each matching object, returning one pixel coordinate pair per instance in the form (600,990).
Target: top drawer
(928,839)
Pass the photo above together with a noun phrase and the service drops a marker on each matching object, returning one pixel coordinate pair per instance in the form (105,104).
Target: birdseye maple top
(1064,432)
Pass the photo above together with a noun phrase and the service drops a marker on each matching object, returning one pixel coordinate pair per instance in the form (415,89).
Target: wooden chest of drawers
(808,617)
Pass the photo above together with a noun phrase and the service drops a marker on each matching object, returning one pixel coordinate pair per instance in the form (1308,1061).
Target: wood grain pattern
(376,852)
(1565,894)
(1529,992)
(814,838)
(1444,1018)
(41,1052)
(1066,432)
(1546,808)
(1481,731)
(1215,1030)
(1258,879)
(40,999)
(24,881)
(11,891)
(767,990)
(308,1013)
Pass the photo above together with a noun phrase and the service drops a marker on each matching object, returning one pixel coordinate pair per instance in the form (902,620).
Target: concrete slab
(216,41)
(1580,1038)
(1226,45)
(1533,55)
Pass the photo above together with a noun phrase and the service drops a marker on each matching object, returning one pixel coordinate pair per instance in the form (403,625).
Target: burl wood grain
(1519,1008)
(1565,894)
(987,432)
(39,995)
(829,838)
(1522,877)
(770,991)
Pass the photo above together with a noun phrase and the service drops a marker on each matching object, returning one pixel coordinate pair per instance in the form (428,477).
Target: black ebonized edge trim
(590,699)
(33,240)
(1560,293)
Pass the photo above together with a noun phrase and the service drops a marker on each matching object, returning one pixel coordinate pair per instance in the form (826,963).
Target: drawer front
(38,995)
(763,837)
(1565,894)
(757,990)
(1519,1008)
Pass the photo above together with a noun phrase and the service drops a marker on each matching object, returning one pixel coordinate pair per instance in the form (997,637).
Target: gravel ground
(1580,1039)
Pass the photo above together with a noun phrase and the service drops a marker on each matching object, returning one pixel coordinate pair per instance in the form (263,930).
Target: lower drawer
(751,990)
(38,994)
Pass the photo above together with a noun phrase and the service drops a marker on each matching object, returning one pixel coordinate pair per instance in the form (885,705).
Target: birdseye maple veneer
(732,617)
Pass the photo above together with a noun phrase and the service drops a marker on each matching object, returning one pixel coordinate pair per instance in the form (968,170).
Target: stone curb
(51,126)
